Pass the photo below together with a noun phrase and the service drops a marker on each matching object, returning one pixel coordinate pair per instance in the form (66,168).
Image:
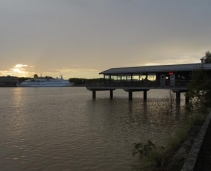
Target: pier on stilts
(135,79)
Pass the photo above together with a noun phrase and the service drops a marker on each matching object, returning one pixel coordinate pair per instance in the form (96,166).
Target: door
(172,80)
(162,80)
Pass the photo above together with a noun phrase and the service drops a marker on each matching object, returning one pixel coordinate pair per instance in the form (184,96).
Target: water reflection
(65,129)
(18,118)
(17,100)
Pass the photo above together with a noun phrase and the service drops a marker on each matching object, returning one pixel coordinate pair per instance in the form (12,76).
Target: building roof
(157,68)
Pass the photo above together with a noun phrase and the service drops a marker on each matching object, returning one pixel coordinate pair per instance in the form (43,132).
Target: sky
(80,38)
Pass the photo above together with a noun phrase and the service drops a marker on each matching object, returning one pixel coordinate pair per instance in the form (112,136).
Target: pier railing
(139,84)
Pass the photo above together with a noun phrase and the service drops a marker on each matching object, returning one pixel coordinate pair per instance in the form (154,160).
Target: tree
(35,76)
(200,88)
(208,57)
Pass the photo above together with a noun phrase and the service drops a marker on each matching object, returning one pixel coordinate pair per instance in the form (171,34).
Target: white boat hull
(44,85)
(42,82)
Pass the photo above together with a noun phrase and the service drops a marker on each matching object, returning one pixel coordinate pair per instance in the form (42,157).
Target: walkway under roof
(157,68)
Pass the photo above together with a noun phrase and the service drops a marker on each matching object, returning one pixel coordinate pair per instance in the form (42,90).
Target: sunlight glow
(20,69)
(151,64)
(20,65)
(24,70)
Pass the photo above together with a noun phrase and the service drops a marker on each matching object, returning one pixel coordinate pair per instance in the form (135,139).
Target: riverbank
(195,153)
(199,158)
(3,85)
(182,151)
(177,160)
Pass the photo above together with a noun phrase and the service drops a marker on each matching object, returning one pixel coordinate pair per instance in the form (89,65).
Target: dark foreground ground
(207,154)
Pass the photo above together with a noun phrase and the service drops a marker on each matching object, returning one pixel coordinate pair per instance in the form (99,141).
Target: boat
(45,82)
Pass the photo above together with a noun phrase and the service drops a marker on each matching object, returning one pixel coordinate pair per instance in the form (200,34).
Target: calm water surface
(50,129)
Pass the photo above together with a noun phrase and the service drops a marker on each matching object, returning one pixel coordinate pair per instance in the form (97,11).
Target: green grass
(182,133)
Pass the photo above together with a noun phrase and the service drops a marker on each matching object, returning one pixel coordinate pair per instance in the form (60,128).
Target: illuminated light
(170,73)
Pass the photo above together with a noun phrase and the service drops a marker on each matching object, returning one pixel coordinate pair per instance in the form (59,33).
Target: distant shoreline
(78,86)
(1,85)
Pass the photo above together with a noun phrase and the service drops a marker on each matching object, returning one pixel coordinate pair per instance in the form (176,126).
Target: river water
(51,129)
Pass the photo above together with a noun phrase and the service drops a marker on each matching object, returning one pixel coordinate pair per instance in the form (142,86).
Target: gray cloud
(100,34)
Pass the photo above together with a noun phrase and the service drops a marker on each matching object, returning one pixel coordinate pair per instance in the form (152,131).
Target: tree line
(83,81)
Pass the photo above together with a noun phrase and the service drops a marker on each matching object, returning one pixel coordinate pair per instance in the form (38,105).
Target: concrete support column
(93,94)
(111,94)
(145,95)
(130,95)
(178,97)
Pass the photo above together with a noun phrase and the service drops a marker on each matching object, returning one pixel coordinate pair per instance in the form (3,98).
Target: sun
(20,70)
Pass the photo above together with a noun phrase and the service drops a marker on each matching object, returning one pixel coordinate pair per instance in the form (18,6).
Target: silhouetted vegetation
(207,57)
(83,81)
(200,89)
(200,86)
(22,79)
(35,76)
(48,77)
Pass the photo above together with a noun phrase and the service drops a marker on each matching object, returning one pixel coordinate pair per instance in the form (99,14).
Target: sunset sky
(80,38)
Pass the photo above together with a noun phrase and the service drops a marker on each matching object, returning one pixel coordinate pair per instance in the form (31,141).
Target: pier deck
(144,78)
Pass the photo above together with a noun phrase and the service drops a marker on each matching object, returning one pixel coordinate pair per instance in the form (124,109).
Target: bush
(153,158)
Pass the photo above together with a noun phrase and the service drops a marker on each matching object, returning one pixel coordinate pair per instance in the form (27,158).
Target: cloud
(20,70)
(20,65)
(151,64)
(5,73)
(54,36)
(74,70)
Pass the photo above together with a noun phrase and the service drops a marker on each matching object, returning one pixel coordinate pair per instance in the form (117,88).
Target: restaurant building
(143,78)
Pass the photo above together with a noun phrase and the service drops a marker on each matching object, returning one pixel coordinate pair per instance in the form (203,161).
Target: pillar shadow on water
(145,118)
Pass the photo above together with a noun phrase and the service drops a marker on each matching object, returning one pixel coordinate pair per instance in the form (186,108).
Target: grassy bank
(172,156)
